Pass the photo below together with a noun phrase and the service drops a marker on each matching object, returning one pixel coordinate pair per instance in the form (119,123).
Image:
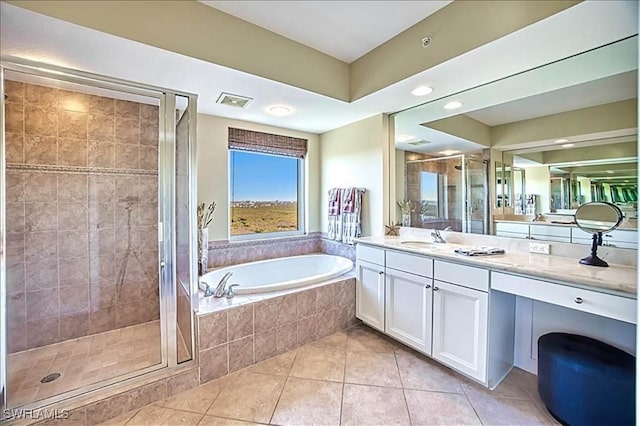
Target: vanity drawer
(607,305)
(511,234)
(555,231)
(622,236)
(418,265)
(512,227)
(370,254)
(467,276)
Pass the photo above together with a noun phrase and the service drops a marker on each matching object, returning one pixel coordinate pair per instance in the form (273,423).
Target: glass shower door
(476,203)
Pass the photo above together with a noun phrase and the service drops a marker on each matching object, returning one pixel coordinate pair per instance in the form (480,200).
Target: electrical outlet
(539,248)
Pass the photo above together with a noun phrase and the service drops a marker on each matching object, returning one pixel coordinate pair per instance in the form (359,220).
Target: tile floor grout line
(273,412)
(404,396)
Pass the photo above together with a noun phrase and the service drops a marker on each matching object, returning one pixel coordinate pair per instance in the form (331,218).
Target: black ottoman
(583,381)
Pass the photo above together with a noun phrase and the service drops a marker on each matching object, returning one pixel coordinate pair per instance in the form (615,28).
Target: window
(265,184)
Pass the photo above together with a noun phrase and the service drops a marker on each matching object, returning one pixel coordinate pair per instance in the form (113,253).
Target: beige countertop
(617,279)
(623,227)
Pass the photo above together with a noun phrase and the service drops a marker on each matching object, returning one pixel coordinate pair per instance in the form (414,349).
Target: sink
(417,244)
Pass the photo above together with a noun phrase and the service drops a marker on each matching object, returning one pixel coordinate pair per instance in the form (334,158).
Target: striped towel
(334,201)
(349,203)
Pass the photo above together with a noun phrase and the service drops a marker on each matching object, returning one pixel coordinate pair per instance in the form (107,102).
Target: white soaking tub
(280,274)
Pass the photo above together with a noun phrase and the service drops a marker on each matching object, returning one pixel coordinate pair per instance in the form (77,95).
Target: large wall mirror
(529,148)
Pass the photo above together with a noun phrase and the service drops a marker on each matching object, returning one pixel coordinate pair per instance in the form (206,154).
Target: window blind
(267,143)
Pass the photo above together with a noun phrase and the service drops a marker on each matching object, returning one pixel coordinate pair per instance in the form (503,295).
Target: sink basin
(417,244)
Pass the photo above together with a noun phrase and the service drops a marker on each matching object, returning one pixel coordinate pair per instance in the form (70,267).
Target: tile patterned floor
(353,377)
(82,361)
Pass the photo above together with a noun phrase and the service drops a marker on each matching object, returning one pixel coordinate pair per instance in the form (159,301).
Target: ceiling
(28,35)
(345,30)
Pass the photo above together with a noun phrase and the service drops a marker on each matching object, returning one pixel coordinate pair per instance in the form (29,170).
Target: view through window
(264,193)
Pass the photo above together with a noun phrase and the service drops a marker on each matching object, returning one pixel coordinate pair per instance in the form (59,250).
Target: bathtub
(280,274)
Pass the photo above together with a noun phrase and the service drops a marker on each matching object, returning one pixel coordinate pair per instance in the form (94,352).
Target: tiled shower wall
(81,214)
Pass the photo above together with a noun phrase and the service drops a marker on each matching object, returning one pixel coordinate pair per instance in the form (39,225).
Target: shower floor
(81,362)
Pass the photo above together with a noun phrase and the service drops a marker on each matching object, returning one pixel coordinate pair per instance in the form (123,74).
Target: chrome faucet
(448,228)
(206,288)
(220,289)
(437,237)
(537,218)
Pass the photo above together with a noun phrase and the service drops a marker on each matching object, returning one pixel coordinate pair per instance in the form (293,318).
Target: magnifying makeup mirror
(595,218)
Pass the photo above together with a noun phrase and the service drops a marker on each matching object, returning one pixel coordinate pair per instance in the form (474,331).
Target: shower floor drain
(50,378)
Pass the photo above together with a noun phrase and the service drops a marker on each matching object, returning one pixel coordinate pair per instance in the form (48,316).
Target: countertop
(616,279)
(572,225)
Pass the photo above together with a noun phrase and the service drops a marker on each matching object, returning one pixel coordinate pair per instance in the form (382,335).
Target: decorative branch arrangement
(205,214)
(406,206)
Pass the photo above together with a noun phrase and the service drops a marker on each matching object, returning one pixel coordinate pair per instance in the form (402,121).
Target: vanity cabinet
(460,317)
(438,308)
(370,286)
(408,304)
(561,234)
(621,238)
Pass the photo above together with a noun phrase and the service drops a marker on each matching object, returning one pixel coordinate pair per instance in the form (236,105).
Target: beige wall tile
(102,189)
(101,154)
(42,304)
(72,187)
(240,322)
(40,187)
(212,329)
(72,216)
(265,345)
(73,271)
(41,274)
(214,363)
(101,128)
(41,150)
(72,124)
(72,244)
(127,314)
(16,308)
(14,91)
(73,152)
(39,121)
(41,246)
(127,109)
(326,323)
(287,308)
(149,133)
(73,101)
(14,146)
(127,130)
(148,158)
(74,325)
(241,354)
(74,299)
(127,156)
(102,105)
(46,97)
(15,278)
(41,216)
(149,113)
(307,330)
(306,303)
(14,118)
(286,337)
(42,332)
(15,216)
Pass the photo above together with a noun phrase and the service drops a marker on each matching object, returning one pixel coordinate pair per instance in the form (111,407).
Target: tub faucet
(206,288)
(220,289)
(437,237)
(448,228)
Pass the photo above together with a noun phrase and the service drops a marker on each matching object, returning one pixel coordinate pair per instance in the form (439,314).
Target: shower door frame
(166,218)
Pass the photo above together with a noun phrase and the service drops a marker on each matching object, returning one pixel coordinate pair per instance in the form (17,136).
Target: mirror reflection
(551,139)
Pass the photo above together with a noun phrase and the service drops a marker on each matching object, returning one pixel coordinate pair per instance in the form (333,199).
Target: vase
(406,219)
(203,251)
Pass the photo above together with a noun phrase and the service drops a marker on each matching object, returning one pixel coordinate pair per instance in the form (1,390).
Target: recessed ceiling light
(568,145)
(626,181)
(449,152)
(610,172)
(422,91)
(279,110)
(453,105)
(561,140)
(403,138)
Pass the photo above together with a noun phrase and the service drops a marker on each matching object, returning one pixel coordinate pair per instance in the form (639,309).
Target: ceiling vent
(233,100)
(418,142)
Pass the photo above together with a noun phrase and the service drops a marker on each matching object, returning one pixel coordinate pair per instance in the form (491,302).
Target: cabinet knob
(427,286)
(578,300)
(381,273)
(436,289)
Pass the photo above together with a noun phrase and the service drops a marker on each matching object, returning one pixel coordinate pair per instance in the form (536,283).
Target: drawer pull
(579,300)
(436,289)
(427,286)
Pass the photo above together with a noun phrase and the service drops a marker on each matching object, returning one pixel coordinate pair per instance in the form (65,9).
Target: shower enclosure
(448,192)
(97,205)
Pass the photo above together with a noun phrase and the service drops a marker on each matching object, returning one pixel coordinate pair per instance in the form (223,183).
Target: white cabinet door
(408,309)
(460,328)
(370,294)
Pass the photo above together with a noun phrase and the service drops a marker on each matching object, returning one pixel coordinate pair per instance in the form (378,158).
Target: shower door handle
(162,263)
